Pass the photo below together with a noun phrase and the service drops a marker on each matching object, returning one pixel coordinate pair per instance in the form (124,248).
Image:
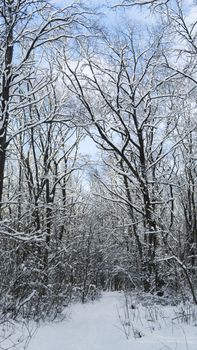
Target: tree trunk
(5,97)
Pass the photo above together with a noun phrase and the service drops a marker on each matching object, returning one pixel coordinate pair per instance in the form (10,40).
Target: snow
(91,326)
(98,326)
(106,324)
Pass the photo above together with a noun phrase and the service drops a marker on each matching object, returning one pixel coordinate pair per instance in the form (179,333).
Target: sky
(112,18)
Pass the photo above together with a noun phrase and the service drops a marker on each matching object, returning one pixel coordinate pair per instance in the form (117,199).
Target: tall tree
(27,28)
(130,84)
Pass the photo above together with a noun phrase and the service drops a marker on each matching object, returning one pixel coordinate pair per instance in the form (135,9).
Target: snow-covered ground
(107,325)
(91,326)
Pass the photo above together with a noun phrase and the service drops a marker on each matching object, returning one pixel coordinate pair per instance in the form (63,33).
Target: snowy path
(93,326)
(96,326)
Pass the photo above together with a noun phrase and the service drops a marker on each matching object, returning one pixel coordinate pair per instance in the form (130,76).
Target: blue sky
(113,16)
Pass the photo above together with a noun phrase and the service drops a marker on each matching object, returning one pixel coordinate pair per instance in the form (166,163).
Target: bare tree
(27,28)
(129,83)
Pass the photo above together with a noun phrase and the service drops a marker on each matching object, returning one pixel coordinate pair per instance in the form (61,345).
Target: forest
(98,152)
